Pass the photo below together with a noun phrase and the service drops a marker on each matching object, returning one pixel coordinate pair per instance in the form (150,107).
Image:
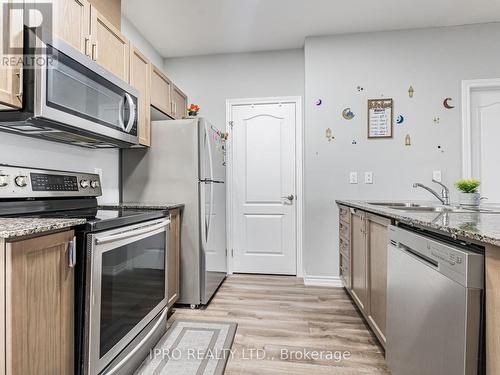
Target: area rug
(191,348)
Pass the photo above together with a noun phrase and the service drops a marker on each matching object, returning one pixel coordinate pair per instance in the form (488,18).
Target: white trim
(468,86)
(299,178)
(330,281)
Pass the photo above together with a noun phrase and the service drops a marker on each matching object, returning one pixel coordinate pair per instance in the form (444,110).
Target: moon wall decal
(446,103)
(319,102)
(400,119)
(347,114)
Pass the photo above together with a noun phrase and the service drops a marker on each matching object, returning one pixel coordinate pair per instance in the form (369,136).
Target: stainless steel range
(121,287)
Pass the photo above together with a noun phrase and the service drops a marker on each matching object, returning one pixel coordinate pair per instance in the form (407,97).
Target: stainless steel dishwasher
(434,306)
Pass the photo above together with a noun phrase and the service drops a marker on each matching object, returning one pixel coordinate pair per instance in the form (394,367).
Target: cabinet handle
(72,253)
(94,51)
(86,46)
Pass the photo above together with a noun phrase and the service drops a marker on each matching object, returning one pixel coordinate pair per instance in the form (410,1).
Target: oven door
(126,269)
(73,90)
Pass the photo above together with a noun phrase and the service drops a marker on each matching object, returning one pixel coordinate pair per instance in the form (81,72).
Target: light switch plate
(353,177)
(436,175)
(368,177)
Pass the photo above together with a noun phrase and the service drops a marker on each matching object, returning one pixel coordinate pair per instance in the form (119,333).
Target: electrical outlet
(353,177)
(368,177)
(436,175)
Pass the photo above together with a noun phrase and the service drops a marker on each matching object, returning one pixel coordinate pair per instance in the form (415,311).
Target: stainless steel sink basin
(415,207)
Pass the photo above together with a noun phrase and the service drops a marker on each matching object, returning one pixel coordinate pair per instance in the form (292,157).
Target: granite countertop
(19,227)
(144,206)
(482,227)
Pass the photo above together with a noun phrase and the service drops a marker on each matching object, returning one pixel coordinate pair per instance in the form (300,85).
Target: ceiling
(200,27)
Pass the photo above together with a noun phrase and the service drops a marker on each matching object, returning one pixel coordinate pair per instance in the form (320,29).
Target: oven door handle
(132,233)
(120,364)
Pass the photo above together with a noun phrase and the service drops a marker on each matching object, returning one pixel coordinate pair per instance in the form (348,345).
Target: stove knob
(84,183)
(4,180)
(21,181)
(94,184)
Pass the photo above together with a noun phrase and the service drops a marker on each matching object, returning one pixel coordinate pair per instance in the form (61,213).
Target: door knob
(289,197)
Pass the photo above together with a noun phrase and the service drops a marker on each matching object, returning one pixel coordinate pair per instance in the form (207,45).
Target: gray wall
(433,61)
(210,80)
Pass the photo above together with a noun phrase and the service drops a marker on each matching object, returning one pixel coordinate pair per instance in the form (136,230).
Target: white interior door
(264,188)
(485,136)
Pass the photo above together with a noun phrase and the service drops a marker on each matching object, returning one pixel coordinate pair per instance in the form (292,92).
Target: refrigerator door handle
(210,211)
(209,148)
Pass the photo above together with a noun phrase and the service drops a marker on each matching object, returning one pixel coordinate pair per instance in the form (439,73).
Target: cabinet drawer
(344,248)
(344,214)
(345,271)
(344,231)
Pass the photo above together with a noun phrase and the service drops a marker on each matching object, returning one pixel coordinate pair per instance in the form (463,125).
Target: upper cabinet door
(140,78)
(160,91)
(72,23)
(179,103)
(11,76)
(109,47)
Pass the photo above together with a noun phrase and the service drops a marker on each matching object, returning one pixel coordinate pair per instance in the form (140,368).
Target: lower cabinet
(174,256)
(368,241)
(38,325)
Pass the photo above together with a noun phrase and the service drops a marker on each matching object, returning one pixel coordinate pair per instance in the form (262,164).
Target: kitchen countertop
(19,227)
(144,206)
(475,226)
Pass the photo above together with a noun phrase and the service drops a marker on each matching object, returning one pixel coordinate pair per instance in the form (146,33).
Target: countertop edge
(449,231)
(23,227)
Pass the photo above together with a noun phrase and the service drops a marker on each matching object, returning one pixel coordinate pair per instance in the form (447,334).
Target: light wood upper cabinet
(140,78)
(174,256)
(111,9)
(179,103)
(359,258)
(377,240)
(160,91)
(39,312)
(10,76)
(71,22)
(109,47)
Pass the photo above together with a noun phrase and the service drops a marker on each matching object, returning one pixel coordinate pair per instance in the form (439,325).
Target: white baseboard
(330,281)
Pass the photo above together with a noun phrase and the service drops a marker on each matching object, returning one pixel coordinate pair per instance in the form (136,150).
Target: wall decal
(347,114)
(380,118)
(354,142)
(329,134)
(411,91)
(319,102)
(436,120)
(440,148)
(407,140)
(400,119)
(446,103)
(359,88)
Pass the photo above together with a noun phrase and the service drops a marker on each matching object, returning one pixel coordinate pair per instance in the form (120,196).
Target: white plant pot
(470,199)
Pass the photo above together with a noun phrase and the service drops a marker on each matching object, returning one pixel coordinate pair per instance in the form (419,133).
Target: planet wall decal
(347,114)
(446,103)
(400,119)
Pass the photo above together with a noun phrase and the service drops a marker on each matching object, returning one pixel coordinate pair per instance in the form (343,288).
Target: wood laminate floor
(276,313)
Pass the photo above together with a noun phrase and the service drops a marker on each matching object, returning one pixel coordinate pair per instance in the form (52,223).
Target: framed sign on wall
(380,116)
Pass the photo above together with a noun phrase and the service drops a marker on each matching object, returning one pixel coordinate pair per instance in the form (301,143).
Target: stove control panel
(21,182)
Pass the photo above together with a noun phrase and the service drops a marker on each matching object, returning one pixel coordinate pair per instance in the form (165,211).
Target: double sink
(415,207)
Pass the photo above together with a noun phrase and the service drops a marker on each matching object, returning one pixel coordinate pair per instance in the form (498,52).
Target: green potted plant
(469,195)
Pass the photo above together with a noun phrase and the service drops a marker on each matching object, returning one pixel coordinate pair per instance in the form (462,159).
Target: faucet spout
(444,197)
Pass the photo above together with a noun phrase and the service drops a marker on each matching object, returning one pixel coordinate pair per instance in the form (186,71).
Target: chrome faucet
(445,192)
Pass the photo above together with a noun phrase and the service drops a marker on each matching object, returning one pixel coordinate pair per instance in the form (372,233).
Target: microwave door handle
(121,122)
(131,119)
(132,233)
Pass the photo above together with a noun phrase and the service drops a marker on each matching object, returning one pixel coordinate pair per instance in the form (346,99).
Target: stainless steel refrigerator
(186,164)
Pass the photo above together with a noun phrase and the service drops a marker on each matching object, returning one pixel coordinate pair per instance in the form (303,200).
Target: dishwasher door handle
(419,256)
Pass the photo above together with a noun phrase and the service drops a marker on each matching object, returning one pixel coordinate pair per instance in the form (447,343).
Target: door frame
(468,86)
(299,174)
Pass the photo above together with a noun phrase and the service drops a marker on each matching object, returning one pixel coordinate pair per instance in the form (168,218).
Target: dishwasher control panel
(456,262)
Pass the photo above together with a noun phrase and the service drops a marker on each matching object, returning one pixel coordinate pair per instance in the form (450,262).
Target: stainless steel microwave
(69,98)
